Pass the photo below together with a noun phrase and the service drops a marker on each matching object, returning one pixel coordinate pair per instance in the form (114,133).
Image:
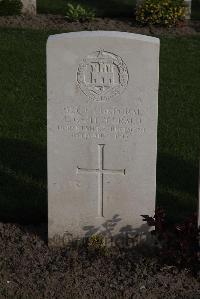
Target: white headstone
(29,7)
(102,132)
(188,9)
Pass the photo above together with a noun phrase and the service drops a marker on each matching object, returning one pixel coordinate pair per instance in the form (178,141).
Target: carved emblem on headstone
(102,75)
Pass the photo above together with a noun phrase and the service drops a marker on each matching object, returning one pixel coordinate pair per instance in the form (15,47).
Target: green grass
(102,8)
(23,165)
(22,125)
(179,125)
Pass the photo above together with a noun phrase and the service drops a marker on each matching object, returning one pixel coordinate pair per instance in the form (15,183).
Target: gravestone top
(110,34)
(102,132)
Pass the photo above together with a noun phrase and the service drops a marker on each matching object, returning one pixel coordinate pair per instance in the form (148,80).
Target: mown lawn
(23,165)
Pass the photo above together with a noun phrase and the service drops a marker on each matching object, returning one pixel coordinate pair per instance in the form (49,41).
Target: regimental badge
(102,75)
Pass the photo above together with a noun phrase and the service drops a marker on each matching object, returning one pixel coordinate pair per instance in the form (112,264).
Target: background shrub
(160,12)
(10,7)
(78,13)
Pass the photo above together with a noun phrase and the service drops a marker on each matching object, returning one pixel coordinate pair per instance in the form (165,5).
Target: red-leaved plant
(177,244)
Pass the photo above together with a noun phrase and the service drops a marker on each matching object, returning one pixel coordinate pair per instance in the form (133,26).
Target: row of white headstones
(29,7)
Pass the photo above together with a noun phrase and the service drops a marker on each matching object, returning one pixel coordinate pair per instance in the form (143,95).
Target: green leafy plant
(160,12)
(10,7)
(78,13)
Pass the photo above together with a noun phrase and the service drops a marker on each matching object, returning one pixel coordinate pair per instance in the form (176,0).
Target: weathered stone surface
(102,132)
(29,7)
(188,5)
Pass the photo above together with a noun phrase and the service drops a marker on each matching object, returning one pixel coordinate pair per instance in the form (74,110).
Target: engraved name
(83,123)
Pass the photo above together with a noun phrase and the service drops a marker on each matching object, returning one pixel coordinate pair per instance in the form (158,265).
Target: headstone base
(126,240)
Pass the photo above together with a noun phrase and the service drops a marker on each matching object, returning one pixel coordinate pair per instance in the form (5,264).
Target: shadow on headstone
(127,237)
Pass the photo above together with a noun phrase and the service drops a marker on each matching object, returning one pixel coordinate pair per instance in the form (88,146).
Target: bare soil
(30,269)
(57,22)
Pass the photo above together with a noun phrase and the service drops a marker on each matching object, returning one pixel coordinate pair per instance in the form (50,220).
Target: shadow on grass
(177,186)
(23,181)
(23,176)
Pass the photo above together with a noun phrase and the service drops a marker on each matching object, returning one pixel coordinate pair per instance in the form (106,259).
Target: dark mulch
(29,269)
(57,22)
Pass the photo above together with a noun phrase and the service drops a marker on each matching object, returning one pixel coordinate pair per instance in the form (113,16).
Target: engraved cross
(100,171)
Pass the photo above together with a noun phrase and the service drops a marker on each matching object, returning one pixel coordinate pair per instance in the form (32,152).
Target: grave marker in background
(102,132)
(29,7)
